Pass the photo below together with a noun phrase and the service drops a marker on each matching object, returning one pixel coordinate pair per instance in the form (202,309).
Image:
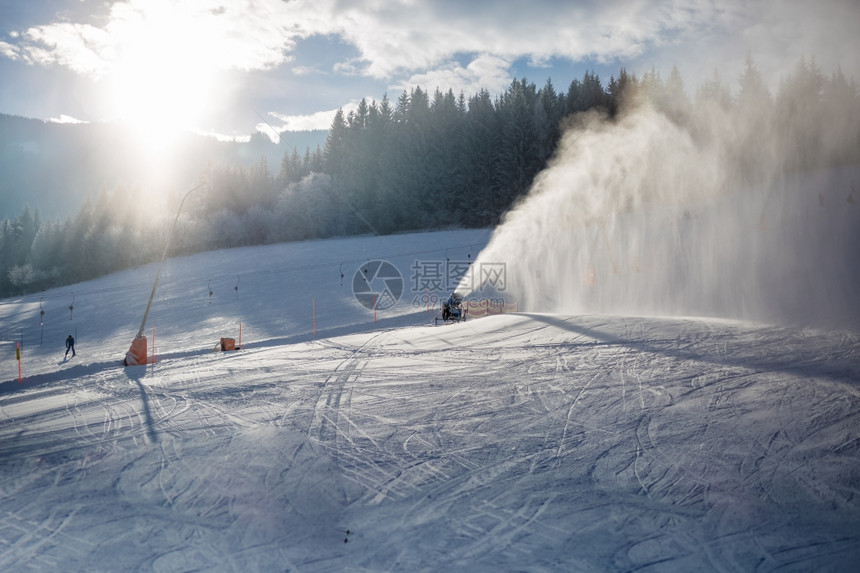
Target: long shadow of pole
(135,374)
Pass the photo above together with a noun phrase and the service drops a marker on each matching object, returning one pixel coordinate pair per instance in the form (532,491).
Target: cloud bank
(234,45)
(408,42)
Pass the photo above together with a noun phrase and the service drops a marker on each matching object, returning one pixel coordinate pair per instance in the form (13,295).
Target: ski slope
(522,442)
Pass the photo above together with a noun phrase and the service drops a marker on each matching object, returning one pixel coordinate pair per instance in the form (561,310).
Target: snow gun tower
(136,354)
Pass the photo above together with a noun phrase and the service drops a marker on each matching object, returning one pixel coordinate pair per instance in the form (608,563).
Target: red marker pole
(374,308)
(18,358)
(240,335)
(153,345)
(314,315)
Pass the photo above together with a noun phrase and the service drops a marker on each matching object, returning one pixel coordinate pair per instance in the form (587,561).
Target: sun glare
(162,78)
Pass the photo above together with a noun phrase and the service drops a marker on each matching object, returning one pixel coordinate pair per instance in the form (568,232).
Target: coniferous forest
(432,160)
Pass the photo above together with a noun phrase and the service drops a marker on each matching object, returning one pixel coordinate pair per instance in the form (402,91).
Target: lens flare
(162,75)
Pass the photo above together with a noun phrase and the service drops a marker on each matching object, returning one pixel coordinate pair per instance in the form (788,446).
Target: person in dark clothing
(70,345)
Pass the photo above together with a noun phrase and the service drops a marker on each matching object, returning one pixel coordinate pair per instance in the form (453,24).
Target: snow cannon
(136,355)
(226,344)
(452,309)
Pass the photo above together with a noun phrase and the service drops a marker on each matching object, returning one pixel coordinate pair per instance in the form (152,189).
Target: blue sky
(217,66)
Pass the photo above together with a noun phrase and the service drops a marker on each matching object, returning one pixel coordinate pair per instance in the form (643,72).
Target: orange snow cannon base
(136,355)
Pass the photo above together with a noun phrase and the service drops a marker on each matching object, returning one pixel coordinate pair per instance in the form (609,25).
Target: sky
(233,67)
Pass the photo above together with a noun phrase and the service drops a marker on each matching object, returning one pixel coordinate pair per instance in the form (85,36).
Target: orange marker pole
(18,358)
(153,346)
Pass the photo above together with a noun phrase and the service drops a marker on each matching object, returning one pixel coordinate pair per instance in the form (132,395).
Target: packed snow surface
(339,441)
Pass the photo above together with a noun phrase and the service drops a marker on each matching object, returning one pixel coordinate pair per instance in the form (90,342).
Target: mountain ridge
(53,167)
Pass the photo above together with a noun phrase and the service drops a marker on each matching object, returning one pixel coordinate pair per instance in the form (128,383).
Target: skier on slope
(70,345)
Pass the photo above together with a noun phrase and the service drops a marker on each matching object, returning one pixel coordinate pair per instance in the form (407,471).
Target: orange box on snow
(136,355)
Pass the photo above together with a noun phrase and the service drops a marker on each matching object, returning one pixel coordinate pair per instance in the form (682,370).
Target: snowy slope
(531,442)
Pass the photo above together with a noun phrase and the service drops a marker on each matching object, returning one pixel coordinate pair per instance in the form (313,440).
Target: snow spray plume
(642,215)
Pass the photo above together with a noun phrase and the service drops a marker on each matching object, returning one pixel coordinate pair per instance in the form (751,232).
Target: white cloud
(410,36)
(464,46)
(63,118)
(229,34)
(318,120)
(394,37)
(304,70)
(79,47)
(223,136)
(403,37)
(484,72)
(10,51)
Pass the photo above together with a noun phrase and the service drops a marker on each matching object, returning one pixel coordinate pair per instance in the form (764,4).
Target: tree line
(434,160)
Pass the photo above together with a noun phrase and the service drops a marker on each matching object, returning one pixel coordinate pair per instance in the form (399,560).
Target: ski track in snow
(519,442)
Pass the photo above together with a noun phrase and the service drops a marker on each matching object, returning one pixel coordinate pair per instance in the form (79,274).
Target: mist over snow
(645,214)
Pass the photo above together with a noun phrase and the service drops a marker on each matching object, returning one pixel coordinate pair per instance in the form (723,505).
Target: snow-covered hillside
(337,440)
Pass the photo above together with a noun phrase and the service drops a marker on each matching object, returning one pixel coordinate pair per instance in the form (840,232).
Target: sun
(162,76)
